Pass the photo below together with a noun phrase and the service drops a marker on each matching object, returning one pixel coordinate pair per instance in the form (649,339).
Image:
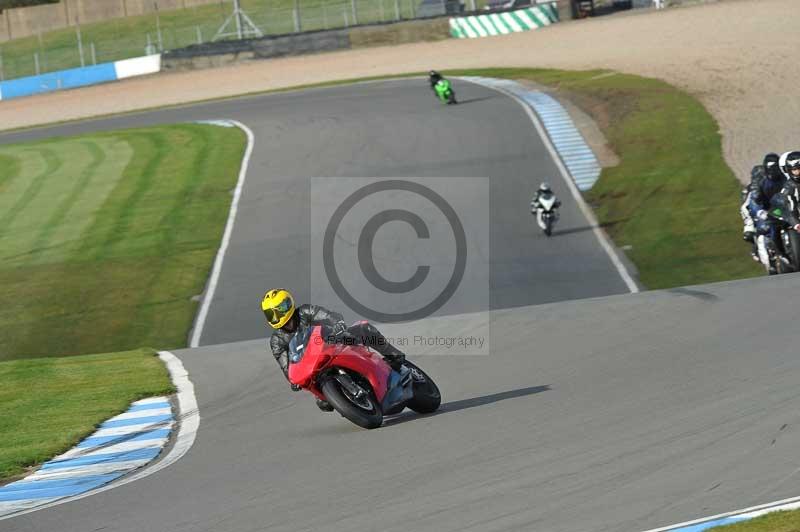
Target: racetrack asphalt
(383,129)
(621,414)
(611,413)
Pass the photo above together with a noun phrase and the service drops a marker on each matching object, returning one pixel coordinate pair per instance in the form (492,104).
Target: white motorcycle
(546,213)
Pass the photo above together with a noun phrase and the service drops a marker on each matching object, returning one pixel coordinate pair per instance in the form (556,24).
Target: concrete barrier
(490,24)
(80,77)
(226,52)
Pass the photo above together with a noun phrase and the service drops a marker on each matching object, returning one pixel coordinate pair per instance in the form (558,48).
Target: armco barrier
(80,77)
(491,24)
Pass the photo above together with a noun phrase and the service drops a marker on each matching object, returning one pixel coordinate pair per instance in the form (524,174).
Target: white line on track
(212,283)
(756,511)
(587,212)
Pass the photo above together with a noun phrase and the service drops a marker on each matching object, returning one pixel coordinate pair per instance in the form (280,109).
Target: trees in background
(5,4)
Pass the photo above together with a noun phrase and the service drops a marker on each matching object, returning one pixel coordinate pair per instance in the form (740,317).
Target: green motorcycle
(445,92)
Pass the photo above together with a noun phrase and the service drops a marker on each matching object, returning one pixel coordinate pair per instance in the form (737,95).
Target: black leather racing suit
(306,315)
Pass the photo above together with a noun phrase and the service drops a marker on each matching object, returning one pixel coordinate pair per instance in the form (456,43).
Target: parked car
(433,8)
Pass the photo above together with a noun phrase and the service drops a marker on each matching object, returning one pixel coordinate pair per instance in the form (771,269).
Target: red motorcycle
(356,381)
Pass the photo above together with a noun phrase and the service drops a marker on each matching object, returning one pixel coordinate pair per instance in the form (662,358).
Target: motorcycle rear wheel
(365,418)
(427,397)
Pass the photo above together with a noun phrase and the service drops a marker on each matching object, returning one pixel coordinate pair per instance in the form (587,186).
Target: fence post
(383,13)
(472,5)
(199,35)
(41,49)
(355,12)
(158,28)
(36,62)
(2,76)
(397,9)
(298,22)
(324,17)
(94,53)
(346,24)
(80,41)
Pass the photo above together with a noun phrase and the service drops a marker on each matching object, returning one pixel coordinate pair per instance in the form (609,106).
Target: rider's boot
(763,254)
(325,406)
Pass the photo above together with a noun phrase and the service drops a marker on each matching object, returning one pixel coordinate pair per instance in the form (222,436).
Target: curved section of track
(618,413)
(384,129)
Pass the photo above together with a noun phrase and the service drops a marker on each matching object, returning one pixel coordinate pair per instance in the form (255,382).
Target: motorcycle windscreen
(547,201)
(307,352)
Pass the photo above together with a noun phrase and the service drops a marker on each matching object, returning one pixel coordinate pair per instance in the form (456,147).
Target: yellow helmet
(278,307)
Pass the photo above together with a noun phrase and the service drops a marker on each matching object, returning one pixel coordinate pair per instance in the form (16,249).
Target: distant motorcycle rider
(544,191)
(282,315)
(766,184)
(434,78)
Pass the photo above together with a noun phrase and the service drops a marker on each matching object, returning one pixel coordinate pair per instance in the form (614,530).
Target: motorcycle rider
(543,191)
(762,192)
(282,315)
(434,78)
(757,174)
(789,197)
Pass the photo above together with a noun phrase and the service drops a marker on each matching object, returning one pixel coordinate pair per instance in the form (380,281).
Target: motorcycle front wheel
(363,411)
(427,397)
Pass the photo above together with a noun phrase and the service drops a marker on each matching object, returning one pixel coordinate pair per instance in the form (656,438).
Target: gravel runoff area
(736,56)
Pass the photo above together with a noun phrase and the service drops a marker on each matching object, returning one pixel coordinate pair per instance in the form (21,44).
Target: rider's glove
(295,387)
(762,215)
(797,228)
(339,329)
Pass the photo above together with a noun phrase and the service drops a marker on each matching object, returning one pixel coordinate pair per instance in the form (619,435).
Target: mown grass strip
(672,198)
(47,405)
(107,254)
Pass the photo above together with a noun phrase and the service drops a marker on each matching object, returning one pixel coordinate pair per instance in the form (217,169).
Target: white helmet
(788,162)
(545,187)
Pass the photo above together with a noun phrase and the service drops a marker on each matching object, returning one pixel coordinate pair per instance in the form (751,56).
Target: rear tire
(427,397)
(368,419)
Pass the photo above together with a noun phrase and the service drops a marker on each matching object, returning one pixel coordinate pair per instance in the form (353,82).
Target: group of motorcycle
(770,213)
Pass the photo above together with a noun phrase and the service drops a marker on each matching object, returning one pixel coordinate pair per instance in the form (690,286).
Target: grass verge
(105,238)
(122,38)
(47,405)
(672,198)
(779,521)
